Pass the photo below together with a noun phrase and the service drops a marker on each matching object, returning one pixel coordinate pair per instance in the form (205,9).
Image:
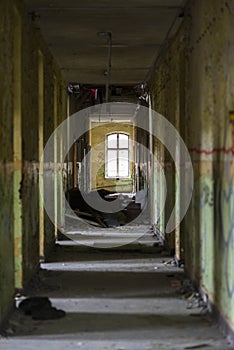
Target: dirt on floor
(117,298)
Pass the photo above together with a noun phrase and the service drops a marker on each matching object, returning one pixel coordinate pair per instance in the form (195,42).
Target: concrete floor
(118,299)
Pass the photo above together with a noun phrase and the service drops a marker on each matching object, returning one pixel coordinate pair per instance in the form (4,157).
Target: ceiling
(138,27)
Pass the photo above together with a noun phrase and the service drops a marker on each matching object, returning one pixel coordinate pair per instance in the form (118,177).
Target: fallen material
(129,210)
(40,308)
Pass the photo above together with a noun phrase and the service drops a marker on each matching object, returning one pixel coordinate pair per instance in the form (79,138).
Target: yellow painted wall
(97,141)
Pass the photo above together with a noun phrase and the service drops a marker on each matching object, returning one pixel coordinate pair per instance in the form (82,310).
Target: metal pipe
(108,70)
(108,36)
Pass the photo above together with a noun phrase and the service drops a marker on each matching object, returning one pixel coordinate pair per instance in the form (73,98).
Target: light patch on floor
(114,299)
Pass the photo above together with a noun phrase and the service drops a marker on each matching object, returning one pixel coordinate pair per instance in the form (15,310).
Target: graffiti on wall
(217,207)
(226,205)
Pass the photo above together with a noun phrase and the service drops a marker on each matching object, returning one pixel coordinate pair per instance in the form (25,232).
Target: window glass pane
(123,168)
(112,168)
(123,154)
(123,141)
(112,141)
(117,155)
(123,163)
(111,163)
(111,155)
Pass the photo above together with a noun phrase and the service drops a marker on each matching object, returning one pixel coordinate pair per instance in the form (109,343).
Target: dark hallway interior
(116,174)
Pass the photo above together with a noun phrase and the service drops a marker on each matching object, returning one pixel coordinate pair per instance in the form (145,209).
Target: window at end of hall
(117,156)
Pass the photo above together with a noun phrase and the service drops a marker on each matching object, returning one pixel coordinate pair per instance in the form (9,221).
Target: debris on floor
(195,301)
(7,332)
(128,211)
(192,295)
(171,262)
(114,299)
(199,346)
(40,308)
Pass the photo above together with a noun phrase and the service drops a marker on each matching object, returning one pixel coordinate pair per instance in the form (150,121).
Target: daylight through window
(117,155)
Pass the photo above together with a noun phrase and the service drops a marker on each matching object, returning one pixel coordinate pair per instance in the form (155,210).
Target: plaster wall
(21,144)
(192,86)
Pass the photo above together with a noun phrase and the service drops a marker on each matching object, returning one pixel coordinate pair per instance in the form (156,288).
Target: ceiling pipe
(108,37)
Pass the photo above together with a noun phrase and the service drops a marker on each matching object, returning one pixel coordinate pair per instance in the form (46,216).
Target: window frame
(118,149)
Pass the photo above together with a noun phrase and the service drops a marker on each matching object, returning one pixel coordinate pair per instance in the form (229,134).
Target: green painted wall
(20,43)
(192,86)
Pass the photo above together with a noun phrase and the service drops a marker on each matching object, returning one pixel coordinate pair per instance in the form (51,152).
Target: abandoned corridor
(166,68)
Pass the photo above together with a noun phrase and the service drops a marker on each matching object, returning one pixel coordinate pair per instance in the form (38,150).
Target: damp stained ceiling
(138,29)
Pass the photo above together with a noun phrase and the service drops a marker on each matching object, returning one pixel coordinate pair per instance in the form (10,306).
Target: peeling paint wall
(20,43)
(193,87)
(6,167)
